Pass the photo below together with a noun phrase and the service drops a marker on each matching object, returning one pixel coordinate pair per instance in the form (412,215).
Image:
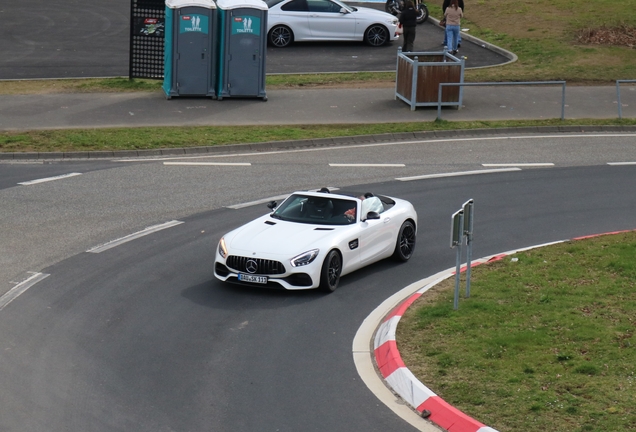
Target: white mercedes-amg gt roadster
(313,238)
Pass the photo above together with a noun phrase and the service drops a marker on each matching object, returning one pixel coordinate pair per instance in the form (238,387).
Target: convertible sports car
(327,20)
(313,238)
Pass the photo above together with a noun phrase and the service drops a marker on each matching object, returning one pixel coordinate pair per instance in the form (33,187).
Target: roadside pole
(468,208)
(457,237)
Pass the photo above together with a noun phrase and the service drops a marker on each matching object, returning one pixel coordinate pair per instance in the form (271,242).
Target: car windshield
(317,210)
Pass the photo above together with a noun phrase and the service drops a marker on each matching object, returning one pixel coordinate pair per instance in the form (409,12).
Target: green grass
(543,344)
(66,140)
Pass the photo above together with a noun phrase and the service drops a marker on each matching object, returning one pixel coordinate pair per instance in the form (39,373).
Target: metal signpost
(457,237)
(462,226)
(468,232)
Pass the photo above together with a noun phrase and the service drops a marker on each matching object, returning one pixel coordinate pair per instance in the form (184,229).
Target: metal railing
(618,95)
(483,84)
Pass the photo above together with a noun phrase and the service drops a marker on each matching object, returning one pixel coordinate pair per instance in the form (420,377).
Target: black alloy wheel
(376,35)
(330,274)
(280,36)
(405,244)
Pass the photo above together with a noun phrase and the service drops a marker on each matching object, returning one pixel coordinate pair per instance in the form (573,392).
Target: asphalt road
(70,39)
(142,337)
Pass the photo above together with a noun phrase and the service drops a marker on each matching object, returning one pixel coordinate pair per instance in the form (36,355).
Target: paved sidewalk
(305,106)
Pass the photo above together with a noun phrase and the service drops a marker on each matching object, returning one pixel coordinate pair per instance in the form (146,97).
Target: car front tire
(405,244)
(330,274)
(280,36)
(376,35)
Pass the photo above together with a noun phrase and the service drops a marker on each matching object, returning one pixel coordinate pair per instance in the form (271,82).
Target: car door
(295,14)
(326,22)
(376,238)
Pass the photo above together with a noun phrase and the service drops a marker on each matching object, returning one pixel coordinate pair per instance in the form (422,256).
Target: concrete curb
(307,143)
(512,57)
(399,378)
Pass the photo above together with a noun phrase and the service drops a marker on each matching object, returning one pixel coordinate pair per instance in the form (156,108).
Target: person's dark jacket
(447,3)
(408,17)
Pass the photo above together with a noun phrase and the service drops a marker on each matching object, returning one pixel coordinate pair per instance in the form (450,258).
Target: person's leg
(455,36)
(410,38)
(448,37)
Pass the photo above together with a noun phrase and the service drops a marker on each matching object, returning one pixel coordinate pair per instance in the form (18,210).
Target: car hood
(378,15)
(282,238)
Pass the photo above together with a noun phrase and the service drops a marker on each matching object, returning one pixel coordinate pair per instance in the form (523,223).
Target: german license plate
(251,278)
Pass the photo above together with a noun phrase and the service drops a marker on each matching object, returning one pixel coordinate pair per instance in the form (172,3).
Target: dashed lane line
(525,164)
(20,288)
(48,179)
(367,165)
(457,174)
(144,232)
(209,163)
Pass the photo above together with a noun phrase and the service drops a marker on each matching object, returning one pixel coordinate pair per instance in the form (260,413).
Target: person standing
(408,19)
(453,15)
(446,4)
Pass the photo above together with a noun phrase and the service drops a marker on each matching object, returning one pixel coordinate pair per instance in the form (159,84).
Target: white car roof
(237,4)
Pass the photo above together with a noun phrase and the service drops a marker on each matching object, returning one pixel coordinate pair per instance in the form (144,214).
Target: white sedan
(313,238)
(327,20)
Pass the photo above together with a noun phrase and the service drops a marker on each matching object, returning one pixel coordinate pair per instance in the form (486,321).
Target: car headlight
(222,248)
(304,258)
(393,21)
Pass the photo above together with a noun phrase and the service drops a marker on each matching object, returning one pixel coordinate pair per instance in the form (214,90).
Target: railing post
(439,101)
(563,102)
(618,99)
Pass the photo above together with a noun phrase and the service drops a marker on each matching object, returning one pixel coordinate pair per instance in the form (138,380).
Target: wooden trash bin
(418,75)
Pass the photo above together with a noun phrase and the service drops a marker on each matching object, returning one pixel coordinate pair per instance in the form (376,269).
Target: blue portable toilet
(190,48)
(242,48)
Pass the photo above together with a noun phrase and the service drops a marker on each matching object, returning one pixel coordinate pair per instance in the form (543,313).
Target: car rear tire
(376,35)
(330,274)
(405,244)
(280,36)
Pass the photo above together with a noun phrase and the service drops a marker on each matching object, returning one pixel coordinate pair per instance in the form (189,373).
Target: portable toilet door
(243,48)
(193,55)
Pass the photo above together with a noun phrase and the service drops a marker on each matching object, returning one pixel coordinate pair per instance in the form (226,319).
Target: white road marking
(20,288)
(48,179)
(260,201)
(274,198)
(144,232)
(209,163)
(537,164)
(457,174)
(621,163)
(366,165)
(384,144)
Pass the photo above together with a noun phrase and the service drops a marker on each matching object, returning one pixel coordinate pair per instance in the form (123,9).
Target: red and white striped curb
(402,380)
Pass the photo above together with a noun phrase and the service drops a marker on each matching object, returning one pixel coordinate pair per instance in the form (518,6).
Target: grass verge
(67,140)
(544,343)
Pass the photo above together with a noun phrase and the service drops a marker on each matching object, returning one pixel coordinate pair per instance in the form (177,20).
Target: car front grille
(263,266)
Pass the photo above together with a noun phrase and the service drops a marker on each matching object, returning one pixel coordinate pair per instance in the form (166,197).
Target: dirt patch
(617,36)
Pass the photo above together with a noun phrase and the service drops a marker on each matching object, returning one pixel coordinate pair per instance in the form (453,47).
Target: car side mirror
(344,11)
(373,215)
(272,205)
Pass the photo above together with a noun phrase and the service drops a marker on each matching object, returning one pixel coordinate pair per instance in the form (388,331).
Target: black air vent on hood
(323,229)
(270,223)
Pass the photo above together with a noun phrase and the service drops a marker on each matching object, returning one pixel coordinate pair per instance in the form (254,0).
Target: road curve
(142,337)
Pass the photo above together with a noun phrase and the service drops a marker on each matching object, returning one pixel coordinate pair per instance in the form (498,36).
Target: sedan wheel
(405,244)
(330,275)
(376,35)
(280,36)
